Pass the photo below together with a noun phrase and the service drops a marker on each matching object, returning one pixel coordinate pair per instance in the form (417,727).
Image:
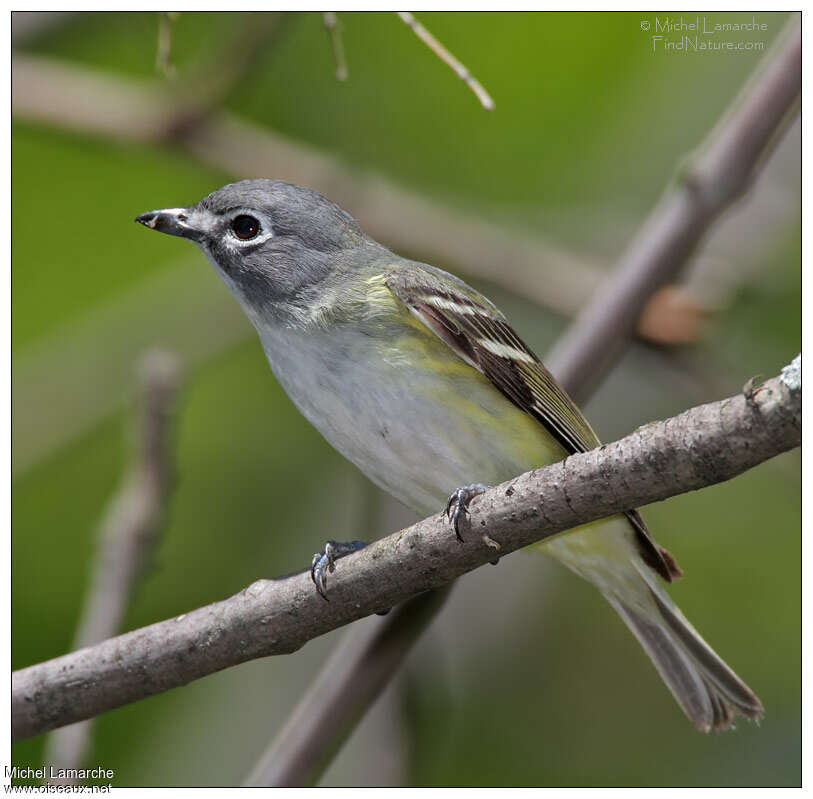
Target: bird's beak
(174,221)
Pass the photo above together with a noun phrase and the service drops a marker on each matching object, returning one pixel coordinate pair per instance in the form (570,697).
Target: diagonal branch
(727,165)
(447,58)
(307,743)
(597,335)
(59,93)
(199,95)
(700,447)
(128,534)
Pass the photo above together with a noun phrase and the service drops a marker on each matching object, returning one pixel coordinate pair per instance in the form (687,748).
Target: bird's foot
(458,504)
(324,563)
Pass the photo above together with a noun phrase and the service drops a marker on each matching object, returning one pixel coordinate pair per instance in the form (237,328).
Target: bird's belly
(417,435)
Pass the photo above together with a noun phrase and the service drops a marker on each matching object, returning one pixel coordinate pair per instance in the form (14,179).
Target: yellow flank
(410,341)
(479,404)
(590,549)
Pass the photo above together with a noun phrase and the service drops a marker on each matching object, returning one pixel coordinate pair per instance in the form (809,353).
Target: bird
(420,381)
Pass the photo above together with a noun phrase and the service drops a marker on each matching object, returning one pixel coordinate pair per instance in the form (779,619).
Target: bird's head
(273,243)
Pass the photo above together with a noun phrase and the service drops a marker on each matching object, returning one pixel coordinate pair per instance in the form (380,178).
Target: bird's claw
(324,563)
(321,565)
(458,504)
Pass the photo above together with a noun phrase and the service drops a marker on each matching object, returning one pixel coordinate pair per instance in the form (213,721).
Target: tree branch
(296,753)
(700,447)
(730,159)
(128,533)
(200,94)
(360,666)
(447,58)
(331,24)
(59,93)
(163,50)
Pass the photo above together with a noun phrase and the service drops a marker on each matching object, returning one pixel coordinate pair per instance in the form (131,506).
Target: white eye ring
(247,228)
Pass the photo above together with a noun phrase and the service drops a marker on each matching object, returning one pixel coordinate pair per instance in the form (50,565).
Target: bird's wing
(479,333)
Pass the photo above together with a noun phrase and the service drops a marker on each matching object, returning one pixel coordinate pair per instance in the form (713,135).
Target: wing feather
(479,333)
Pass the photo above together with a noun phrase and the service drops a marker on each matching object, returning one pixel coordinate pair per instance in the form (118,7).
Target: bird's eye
(245,227)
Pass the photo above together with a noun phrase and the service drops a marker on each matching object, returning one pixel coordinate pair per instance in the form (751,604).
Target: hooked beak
(174,221)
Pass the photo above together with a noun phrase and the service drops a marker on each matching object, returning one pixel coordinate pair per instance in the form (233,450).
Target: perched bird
(421,382)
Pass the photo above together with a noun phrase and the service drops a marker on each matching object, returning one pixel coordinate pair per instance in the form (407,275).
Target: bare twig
(628,297)
(128,533)
(702,446)
(729,161)
(62,94)
(163,50)
(334,32)
(71,97)
(444,55)
(200,95)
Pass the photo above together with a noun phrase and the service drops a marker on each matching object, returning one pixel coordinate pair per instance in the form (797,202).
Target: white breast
(397,424)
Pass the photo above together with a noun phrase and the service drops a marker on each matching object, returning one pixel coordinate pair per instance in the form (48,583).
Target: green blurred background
(527,678)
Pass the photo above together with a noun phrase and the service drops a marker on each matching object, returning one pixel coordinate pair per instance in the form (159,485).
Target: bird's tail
(707,689)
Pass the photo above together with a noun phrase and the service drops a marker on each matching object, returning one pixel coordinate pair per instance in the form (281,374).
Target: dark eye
(245,227)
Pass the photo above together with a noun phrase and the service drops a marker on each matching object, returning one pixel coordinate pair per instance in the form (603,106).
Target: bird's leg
(324,563)
(458,504)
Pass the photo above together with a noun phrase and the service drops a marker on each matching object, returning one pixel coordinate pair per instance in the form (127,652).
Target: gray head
(273,243)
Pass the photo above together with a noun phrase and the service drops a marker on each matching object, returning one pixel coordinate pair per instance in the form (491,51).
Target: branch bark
(295,755)
(59,93)
(700,447)
(128,534)
(360,666)
(730,158)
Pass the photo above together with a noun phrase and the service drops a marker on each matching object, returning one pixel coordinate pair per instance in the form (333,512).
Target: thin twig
(62,94)
(58,93)
(334,32)
(628,294)
(700,447)
(444,55)
(199,96)
(163,50)
(730,159)
(128,534)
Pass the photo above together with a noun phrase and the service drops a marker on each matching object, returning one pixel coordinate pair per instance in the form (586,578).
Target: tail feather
(723,717)
(707,690)
(675,668)
(609,554)
(713,667)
